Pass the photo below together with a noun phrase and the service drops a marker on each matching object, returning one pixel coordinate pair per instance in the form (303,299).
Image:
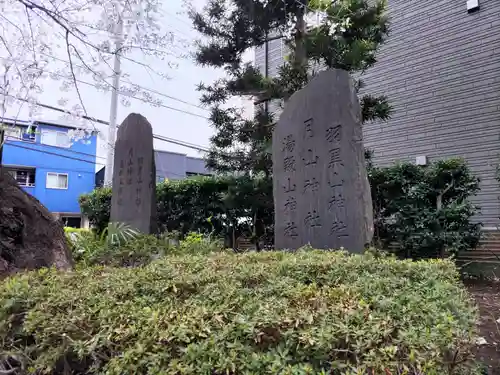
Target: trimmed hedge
(309,312)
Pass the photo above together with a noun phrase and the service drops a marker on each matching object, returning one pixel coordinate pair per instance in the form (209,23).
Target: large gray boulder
(30,236)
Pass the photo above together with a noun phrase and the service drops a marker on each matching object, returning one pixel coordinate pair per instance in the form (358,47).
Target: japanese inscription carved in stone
(321,190)
(134,192)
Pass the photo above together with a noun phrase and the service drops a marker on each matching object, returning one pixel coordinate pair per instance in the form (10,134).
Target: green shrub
(75,230)
(199,243)
(119,245)
(91,249)
(310,312)
(236,205)
(137,251)
(425,212)
(97,207)
(422,212)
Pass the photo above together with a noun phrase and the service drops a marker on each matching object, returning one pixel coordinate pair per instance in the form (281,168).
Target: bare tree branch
(68,46)
(31,33)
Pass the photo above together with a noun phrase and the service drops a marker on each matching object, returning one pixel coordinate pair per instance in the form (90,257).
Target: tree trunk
(30,236)
(300,48)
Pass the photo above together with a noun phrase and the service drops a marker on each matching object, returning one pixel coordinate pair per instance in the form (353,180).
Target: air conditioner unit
(472,5)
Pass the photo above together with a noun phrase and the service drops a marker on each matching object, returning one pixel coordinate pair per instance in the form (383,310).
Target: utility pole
(2,135)
(108,172)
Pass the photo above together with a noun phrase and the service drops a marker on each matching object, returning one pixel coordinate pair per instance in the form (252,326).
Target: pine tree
(347,37)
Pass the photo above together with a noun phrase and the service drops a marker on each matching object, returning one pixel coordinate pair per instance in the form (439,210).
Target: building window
(72,221)
(12,132)
(55,138)
(24,177)
(29,134)
(57,181)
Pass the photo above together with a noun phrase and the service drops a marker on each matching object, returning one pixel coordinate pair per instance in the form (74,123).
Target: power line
(56,154)
(103,122)
(132,97)
(155,136)
(83,160)
(179,19)
(13,139)
(180,143)
(134,84)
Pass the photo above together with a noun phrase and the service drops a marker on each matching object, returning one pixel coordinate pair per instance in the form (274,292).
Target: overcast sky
(182,85)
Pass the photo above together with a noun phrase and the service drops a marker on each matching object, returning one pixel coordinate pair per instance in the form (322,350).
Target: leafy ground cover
(309,312)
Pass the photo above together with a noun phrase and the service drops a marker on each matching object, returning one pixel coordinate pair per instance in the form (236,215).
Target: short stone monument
(321,191)
(134,189)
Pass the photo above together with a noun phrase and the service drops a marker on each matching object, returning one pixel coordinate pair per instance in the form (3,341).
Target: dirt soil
(487,297)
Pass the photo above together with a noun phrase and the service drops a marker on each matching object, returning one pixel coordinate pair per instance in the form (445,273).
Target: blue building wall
(77,161)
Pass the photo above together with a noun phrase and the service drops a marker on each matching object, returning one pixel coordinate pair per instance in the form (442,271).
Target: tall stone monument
(321,190)
(134,185)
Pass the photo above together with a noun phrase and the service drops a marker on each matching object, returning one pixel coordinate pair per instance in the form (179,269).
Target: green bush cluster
(425,212)
(93,250)
(308,312)
(420,211)
(224,206)
(97,206)
(69,230)
(119,245)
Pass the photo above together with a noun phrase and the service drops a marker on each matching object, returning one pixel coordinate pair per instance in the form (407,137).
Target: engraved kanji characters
(290,204)
(289,187)
(130,166)
(336,200)
(308,125)
(140,162)
(312,219)
(288,143)
(289,164)
(311,185)
(333,133)
(338,229)
(291,230)
(334,157)
(310,158)
(335,163)
(338,226)
(138,199)
(121,182)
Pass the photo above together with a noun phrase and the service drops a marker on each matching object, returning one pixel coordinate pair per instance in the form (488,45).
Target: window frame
(18,130)
(29,171)
(29,136)
(57,174)
(56,133)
